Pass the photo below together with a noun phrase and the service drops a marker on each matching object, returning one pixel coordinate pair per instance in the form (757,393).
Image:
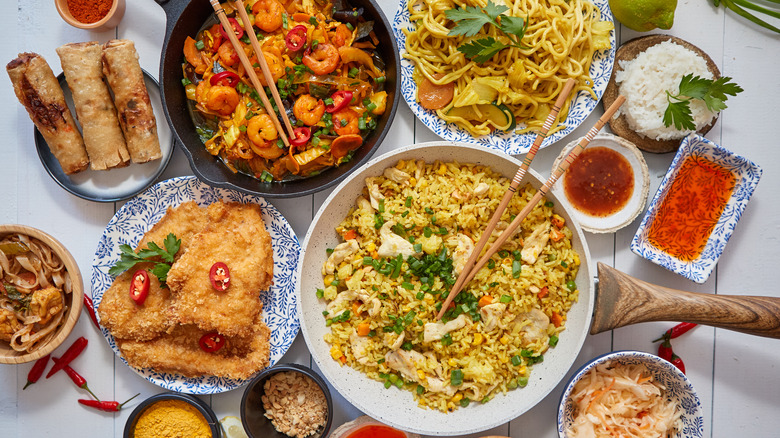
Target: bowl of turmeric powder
(97,15)
(175,413)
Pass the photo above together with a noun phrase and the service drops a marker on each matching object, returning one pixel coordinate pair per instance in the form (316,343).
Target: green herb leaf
(483,49)
(514,25)
(712,92)
(471,18)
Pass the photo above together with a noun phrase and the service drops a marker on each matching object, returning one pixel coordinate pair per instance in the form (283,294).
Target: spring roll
(40,93)
(126,79)
(83,67)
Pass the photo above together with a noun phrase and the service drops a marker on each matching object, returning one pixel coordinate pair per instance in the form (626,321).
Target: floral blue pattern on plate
(676,384)
(747,173)
(510,143)
(139,214)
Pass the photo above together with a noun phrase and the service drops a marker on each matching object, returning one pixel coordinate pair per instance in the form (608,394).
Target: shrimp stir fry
(328,74)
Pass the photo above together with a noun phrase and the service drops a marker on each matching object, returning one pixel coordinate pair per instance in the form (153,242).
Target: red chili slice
(211,342)
(340,99)
(226,77)
(237,29)
(219,276)
(296,38)
(302,136)
(139,286)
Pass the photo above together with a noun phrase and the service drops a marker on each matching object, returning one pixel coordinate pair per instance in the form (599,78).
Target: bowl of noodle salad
(561,39)
(41,294)
(629,394)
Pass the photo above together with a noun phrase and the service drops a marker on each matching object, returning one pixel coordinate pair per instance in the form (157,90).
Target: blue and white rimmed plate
(139,214)
(747,176)
(510,143)
(676,385)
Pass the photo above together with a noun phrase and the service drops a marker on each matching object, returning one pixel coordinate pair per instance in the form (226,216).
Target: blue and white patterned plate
(747,173)
(510,143)
(678,388)
(139,214)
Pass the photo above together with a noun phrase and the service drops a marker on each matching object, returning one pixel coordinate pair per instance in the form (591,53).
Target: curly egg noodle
(561,38)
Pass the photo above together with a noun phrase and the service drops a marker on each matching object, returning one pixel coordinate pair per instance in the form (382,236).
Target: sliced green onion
(456,377)
(506,299)
(320,293)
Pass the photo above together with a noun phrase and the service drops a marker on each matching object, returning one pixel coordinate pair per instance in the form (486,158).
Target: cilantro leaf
(160,270)
(483,49)
(694,86)
(129,258)
(172,244)
(470,20)
(493,10)
(514,25)
(679,114)
(715,98)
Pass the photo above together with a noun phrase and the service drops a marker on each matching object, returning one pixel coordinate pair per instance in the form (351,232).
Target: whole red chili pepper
(108,406)
(70,354)
(665,349)
(678,362)
(37,371)
(677,330)
(80,381)
(90,307)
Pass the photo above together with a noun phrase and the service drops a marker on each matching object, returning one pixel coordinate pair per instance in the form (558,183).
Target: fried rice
(405,242)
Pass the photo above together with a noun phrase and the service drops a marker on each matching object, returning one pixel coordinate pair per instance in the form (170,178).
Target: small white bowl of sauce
(696,208)
(607,185)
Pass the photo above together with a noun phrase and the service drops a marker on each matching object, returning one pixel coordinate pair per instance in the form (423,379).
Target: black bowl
(200,405)
(185,19)
(256,424)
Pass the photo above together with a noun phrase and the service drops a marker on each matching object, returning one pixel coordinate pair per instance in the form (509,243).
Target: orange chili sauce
(691,208)
(377,431)
(599,182)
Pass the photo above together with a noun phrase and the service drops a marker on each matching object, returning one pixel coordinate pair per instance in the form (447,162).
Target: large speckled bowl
(398,408)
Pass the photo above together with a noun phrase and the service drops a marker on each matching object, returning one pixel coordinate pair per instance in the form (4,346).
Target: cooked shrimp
(261,130)
(345,122)
(227,54)
(308,109)
(322,60)
(222,99)
(202,92)
(341,35)
(275,66)
(268,14)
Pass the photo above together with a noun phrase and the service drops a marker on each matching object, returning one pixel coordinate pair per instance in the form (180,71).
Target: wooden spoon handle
(622,300)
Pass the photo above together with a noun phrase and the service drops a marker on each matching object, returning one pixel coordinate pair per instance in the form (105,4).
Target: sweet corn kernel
(335,353)
(503,359)
(328,279)
(370,247)
(412,180)
(478,338)
(453,362)
(400,165)
(450,406)
(442,169)
(504,339)
(421,375)
(523,370)
(458,397)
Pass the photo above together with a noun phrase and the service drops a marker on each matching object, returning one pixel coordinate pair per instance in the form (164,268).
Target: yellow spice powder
(172,419)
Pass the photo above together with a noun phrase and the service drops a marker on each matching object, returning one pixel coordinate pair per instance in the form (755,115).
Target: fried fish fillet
(179,352)
(118,312)
(235,235)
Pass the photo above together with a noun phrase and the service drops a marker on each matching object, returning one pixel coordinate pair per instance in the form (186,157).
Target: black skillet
(185,18)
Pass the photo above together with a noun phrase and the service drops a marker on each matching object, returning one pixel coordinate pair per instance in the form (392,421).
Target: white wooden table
(735,375)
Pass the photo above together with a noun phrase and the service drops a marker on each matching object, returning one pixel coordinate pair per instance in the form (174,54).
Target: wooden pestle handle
(622,300)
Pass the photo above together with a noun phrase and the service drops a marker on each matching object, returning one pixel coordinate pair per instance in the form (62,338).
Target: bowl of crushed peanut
(287,400)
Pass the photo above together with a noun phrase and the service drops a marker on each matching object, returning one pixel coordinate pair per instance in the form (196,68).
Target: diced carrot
(375,255)
(350,234)
(543,293)
(556,319)
(301,17)
(343,360)
(485,300)
(356,308)
(557,221)
(363,328)
(344,143)
(556,235)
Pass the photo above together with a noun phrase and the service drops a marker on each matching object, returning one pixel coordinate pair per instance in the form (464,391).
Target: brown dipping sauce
(599,182)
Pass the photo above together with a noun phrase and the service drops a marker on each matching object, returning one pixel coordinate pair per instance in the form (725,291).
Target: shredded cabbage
(616,400)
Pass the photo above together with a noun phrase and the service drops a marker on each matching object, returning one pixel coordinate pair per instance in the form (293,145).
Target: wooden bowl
(619,125)
(73,301)
(110,21)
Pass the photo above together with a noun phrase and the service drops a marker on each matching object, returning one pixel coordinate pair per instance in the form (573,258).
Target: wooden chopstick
(264,66)
(510,230)
(249,69)
(510,192)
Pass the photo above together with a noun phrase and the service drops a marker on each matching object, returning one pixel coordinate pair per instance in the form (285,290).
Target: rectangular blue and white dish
(746,174)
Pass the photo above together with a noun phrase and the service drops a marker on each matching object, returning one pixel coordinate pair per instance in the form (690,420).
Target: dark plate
(185,19)
(114,184)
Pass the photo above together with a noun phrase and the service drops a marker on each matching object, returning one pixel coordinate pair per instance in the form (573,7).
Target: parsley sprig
(712,92)
(470,21)
(129,258)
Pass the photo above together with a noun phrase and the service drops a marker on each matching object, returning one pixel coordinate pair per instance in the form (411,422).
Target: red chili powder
(89,11)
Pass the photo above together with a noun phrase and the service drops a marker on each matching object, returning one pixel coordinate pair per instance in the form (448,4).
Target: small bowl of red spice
(97,15)
(693,214)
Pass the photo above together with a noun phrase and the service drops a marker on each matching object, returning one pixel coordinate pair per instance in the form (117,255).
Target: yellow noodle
(560,45)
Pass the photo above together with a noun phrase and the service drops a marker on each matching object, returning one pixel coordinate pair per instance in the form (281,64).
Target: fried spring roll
(83,67)
(40,93)
(126,79)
